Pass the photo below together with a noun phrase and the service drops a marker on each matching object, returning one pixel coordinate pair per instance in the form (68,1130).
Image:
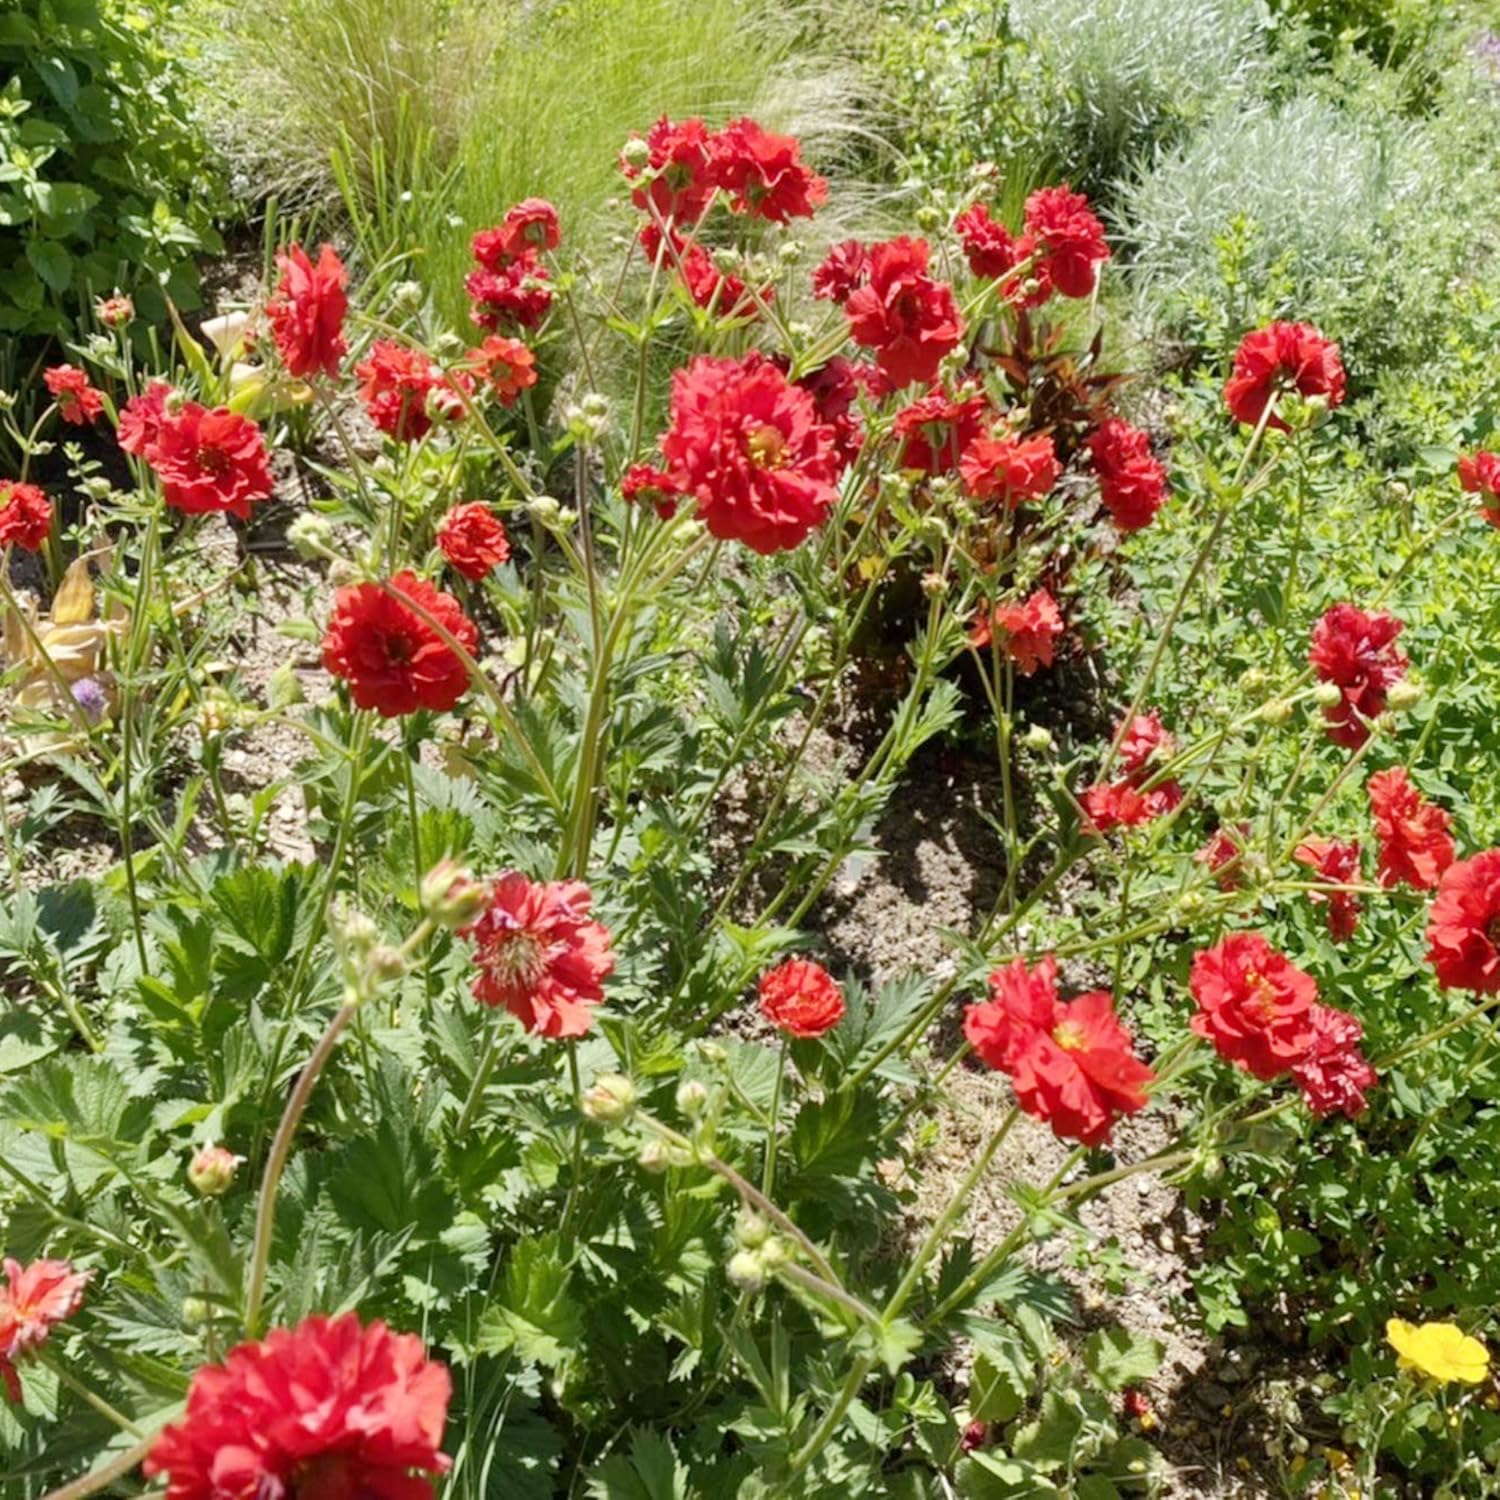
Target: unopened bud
(114,312)
(929,217)
(1328,695)
(544,509)
(310,535)
(635,153)
(1404,695)
(1278,711)
(751,1231)
(774,1253)
(352,930)
(212,1170)
(1254,681)
(746,1271)
(406,296)
(97,487)
(1190,903)
(713,1052)
(196,1311)
(385,962)
(451,896)
(692,1099)
(1038,738)
(934,585)
(610,1100)
(655,1157)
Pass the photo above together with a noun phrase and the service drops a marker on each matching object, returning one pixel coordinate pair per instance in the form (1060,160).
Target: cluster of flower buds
(758,1252)
(367,963)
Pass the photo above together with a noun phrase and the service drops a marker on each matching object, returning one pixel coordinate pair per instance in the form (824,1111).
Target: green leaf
(1116,1357)
(51,262)
(536,1316)
(1048,1441)
(652,1471)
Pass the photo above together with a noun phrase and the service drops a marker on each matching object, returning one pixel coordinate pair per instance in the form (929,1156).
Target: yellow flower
(1442,1350)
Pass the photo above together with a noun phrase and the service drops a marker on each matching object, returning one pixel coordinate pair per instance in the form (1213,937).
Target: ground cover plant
(527,1132)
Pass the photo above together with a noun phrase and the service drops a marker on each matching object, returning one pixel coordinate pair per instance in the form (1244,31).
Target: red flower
(748,444)
(210,461)
(25,516)
(841,272)
(1463,927)
(1132,483)
(1026,631)
(1223,852)
(679,173)
(1279,357)
(141,418)
(506,366)
(1121,804)
(35,1299)
(329,1409)
(1146,740)
(1254,1004)
(910,320)
(709,287)
(397,385)
(1357,652)
(540,955)
(937,428)
(1333,1074)
(1336,862)
(306,312)
(1479,474)
(77,401)
(1009,469)
(1071,1062)
(801,998)
(1415,845)
(392,659)
(835,387)
(473,540)
(643,482)
(517,294)
(528,228)
(764,173)
(1070,238)
(993,253)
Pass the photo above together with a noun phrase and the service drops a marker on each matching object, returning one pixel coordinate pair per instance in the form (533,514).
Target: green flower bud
(212,1170)
(611,1100)
(1039,739)
(1328,695)
(692,1099)
(751,1230)
(1277,712)
(655,1157)
(746,1271)
(1404,695)
(451,896)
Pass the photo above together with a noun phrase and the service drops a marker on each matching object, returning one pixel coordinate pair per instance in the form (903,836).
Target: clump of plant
(521,1140)
(102,187)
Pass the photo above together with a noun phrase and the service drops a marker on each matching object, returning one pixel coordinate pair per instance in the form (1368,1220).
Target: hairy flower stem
(109,1413)
(1189,582)
(481,1078)
(749,1194)
(773,1123)
(577,1163)
(847,1300)
(103,1477)
(945,1221)
(281,1145)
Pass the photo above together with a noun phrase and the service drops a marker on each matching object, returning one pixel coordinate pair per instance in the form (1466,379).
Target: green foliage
(101,168)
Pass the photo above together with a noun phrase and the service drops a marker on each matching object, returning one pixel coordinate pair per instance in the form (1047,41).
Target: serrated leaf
(1116,1357)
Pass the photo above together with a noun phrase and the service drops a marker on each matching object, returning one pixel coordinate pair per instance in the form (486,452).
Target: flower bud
(751,1230)
(1190,903)
(212,1170)
(1328,695)
(385,962)
(406,296)
(713,1052)
(1275,713)
(635,153)
(774,1252)
(1038,738)
(97,487)
(114,312)
(451,896)
(610,1100)
(196,1311)
(1254,681)
(746,1271)
(789,252)
(934,585)
(692,1099)
(311,535)
(655,1157)
(1404,695)
(544,509)
(929,218)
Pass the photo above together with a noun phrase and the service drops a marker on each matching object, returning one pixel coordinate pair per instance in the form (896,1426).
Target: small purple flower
(90,694)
